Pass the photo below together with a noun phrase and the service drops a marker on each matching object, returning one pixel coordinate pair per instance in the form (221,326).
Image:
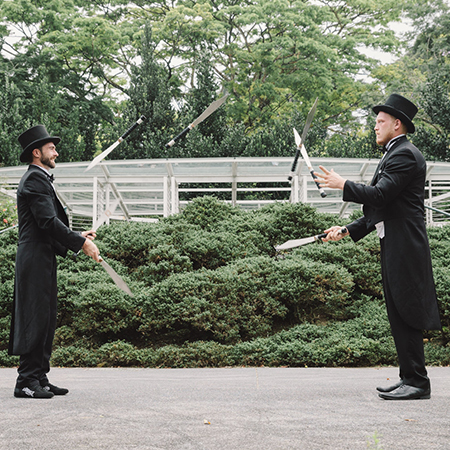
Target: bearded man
(43,233)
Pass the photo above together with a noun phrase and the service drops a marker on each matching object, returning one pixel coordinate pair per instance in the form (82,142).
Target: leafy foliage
(8,213)
(89,70)
(151,92)
(209,290)
(436,139)
(12,117)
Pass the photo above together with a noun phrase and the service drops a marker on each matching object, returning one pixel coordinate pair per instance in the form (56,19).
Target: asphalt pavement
(225,409)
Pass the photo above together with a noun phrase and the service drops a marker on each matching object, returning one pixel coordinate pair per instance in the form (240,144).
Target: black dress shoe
(389,388)
(32,392)
(55,389)
(406,392)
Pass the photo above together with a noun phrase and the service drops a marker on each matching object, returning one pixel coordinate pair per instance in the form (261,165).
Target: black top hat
(33,138)
(401,108)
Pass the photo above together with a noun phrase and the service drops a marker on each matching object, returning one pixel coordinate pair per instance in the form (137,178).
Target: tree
(273,56)
(431,54)
(150,94)
(205,140)
(50,91)
(90,69)
(11,120)
(433,138)
(277,56)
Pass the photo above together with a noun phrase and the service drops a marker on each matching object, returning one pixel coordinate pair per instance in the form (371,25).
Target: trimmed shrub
(208,212)
(361,341)
(362,260)
(7,360)
(210,290)
(278,222)
(222,305)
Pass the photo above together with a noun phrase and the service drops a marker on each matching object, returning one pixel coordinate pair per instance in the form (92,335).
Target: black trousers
(34,366)
(408,342)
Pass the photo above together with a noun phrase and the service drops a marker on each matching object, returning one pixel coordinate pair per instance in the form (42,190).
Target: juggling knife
(308,123)
(206,113)
(115,277)
(299,242)
(105,153)
(301,146)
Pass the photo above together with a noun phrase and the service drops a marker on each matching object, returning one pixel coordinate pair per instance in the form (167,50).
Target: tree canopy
(88,70)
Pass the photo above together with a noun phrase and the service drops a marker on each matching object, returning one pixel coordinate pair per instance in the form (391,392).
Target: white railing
(144,190)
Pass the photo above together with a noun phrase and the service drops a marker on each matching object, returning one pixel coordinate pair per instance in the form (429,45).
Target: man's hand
(334,234)
(331,179)
(91,234)
(91,250)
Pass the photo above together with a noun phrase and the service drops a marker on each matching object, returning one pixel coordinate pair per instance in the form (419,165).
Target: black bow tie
(51,178)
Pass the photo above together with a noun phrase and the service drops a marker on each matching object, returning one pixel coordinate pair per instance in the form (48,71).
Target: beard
(46,161)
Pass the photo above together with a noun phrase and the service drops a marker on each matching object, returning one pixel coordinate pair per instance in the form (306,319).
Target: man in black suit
(393,204)
(43,232)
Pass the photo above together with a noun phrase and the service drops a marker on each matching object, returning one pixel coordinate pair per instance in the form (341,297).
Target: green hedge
(211,291)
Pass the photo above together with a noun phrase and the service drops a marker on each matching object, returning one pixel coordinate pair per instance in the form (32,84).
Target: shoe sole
(422,397)
(28,396)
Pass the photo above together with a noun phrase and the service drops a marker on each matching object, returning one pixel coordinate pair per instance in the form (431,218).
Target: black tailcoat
(43,232)
(396,196)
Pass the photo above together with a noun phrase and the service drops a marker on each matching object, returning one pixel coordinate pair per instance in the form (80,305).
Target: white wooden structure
(144,190)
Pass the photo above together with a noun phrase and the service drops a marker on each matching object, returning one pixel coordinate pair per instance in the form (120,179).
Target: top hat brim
(24,157)
(397,114)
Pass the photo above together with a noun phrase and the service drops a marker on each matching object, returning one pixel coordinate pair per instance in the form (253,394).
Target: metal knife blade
(309,119)
(209,110)
(299,143)
(105,153)
(298,242)
(301,147)
(102,155)
(116,278)
(308,240)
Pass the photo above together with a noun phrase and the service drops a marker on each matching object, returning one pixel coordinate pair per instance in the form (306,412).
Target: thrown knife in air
(206,113)
(308,123)
(301,146)
(105,153)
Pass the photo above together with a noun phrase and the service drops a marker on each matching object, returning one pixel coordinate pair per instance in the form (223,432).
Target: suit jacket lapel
(377,172)
(61,214)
